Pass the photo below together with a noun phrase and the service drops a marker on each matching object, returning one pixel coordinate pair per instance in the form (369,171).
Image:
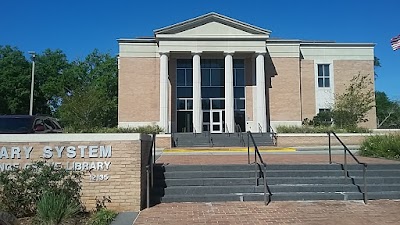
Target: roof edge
(209,15)
(335,44)
(136,40)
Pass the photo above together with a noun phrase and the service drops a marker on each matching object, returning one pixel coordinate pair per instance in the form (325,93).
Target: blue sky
(78,27)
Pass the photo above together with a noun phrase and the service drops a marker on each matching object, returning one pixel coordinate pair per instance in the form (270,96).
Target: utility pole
(33,54)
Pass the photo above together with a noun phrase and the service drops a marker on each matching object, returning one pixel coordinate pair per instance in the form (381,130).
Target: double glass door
(213,121)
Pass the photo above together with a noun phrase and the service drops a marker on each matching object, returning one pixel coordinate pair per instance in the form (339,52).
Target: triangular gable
(212,24)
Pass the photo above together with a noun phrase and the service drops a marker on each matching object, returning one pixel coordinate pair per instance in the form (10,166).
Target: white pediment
(213,29)
(211,25)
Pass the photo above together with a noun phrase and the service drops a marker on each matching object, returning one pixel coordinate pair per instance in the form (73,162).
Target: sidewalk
(301,156)
(307,213)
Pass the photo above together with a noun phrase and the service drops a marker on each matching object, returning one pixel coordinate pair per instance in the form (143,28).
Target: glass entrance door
(213,121)
(216,121)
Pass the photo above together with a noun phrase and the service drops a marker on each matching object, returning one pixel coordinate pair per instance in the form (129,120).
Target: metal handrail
(240,133)
(210,140)
(227,130)
(262,163)
(346,150)
(150,169)
(259,128)
(274,136)
(194,131)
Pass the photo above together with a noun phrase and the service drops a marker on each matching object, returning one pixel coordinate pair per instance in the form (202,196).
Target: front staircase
(220,140)
(215,183)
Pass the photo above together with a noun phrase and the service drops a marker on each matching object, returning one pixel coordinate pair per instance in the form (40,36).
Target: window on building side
(324,110)
(323,75)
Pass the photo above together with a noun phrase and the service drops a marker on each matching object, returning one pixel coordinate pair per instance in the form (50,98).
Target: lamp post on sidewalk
(33,55)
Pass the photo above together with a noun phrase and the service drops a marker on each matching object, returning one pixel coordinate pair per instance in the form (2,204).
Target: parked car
(24,124)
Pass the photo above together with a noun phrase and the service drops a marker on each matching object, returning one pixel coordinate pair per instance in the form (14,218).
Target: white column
(164,93)
(260,83)
(254,124)
(229,97)
(197,109)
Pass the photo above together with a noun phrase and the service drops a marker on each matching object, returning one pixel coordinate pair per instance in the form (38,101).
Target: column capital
(261,53)
(164,53)
(229,52)
(196,52)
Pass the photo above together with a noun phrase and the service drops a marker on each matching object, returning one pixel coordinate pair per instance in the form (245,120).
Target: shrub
(323,118)
(23,188)
(102,217)
(54,208)
(319,129)
(149,129)
(352,106)
(387,146)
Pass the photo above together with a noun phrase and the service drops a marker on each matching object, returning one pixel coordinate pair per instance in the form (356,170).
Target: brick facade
(307,89)
(139,90)
(284,94)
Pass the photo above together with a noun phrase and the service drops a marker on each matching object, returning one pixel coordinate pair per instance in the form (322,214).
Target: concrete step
(239,167)
(299,196)
(218,140)
(206,190)
(274,181)
(256,197)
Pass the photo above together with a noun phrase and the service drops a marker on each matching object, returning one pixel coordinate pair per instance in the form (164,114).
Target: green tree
(352,106)
(15,77)
(91,97)
(387,111)
(50,81)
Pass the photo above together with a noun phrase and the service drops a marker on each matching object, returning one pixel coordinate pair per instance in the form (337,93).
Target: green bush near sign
(55,208)
(102,217)
(23,188)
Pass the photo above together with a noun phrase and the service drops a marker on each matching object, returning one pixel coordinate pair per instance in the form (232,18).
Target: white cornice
(335,45)
(136,40)
(212,37)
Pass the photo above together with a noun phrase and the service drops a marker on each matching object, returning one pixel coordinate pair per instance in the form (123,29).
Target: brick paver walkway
(268,158)
(310,213)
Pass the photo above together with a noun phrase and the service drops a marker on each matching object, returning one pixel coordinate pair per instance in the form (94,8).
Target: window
(323,75)
(239,90)
(324,110)
(184,101)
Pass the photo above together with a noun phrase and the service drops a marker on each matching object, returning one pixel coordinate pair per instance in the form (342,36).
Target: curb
(216,150)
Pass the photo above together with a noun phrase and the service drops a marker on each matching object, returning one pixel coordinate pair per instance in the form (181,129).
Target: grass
(102,217)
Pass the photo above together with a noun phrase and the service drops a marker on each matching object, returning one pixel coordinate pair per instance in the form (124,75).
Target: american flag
(395,42)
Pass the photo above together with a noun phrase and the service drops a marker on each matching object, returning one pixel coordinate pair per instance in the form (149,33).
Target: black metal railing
(260,166)
(208,134)
(346,174)
(239,131)
(260,128)
(150,169)
(227,133)
(274,137)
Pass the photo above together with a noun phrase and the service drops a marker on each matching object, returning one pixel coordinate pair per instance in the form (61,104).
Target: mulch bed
(80,219)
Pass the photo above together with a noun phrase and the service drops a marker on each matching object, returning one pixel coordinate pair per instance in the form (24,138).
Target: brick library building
(216,74)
